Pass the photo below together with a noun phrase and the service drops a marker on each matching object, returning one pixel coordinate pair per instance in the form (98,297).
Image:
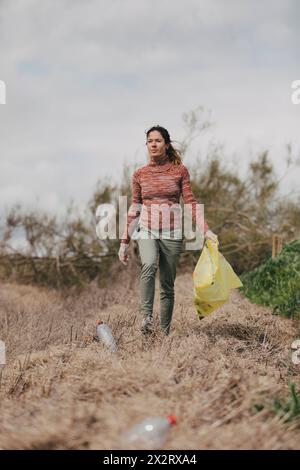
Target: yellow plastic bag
(213,278)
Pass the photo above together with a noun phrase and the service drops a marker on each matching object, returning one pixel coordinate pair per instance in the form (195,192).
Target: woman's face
(156,145)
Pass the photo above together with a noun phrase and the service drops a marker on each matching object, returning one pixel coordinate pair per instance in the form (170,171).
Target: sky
(85,79)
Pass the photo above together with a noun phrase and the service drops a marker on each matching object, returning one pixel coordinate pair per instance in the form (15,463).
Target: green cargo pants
(165,254)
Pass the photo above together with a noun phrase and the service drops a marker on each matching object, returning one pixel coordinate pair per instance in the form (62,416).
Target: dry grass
(62,390)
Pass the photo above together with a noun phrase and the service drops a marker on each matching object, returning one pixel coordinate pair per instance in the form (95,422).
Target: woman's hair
(173,154)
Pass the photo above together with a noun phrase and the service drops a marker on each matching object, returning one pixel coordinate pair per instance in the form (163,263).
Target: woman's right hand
(209,235)
(123,253)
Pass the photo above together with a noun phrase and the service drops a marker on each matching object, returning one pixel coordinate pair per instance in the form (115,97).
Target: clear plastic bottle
(105,335)
(151,433)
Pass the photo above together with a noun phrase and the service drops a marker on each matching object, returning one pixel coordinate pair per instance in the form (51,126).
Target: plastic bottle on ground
(105,335)
(151,433)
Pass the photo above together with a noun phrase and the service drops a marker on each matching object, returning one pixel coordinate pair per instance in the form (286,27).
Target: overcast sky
(85,79)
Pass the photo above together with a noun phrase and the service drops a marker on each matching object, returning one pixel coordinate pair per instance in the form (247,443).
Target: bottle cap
(99,322)
(172,419)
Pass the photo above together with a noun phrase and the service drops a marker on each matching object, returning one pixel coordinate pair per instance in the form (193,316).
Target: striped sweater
(155,187)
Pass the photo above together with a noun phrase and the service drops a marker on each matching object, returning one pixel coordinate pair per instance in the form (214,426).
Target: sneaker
(147,325)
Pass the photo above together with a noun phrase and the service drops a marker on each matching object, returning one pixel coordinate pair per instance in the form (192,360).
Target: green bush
(277,282)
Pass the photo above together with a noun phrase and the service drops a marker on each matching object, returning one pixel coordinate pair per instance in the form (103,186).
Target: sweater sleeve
(189,198)
(134,210)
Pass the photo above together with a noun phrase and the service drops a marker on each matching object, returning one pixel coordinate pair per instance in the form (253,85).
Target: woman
(157,187)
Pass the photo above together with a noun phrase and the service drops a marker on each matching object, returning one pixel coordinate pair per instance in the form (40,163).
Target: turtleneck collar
(158,162)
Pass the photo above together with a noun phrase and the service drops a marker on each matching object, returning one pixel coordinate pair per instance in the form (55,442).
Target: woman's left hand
(209,235)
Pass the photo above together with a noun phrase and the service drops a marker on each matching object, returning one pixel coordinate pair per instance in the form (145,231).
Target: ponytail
(174,155)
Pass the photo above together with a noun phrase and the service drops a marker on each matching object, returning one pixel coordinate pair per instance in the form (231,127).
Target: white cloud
(85,79)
